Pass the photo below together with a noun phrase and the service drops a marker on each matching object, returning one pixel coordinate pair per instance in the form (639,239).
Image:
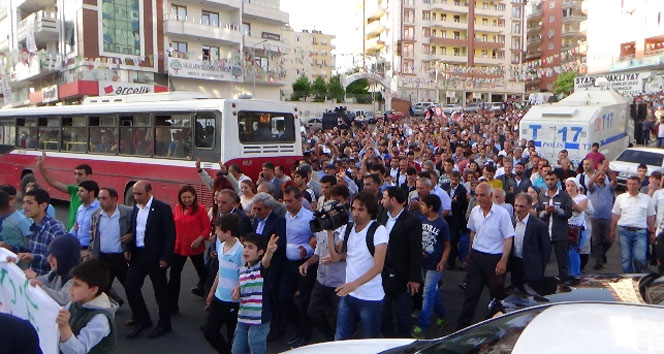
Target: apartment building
(454,51)
(308,53)
(552,27)
(63,50)
(225,48)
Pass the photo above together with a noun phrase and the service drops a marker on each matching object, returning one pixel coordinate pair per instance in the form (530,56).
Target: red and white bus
(156,137)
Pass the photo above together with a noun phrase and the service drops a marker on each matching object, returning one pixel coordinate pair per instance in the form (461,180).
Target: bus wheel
(129,196)
(27,178)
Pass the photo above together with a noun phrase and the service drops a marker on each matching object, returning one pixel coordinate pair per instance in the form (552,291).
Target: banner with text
(204,69)
(111,88)
(20,299)
(626,84)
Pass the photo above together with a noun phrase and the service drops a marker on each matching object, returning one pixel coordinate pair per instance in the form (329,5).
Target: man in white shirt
(491,234)
(633,216)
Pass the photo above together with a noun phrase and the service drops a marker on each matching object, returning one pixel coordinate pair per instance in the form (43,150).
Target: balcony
(376,15)
(262,42)
(461,24)
(453,42)
(203,70)
(35,68)
(571,4)
(44,25)
(571,32)
(192,27)
(29,6)
(534,40)
(536,13)
(374,29)
(533,54)
(374,45)
(451,58)
(480,27)
(491,11)
(228,5)
(488,60)
(533,29)
(459,7)
(489,44)
(264,12)
(573,18)
(263,76)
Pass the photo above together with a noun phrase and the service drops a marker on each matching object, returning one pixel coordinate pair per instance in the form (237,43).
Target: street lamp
(253,58)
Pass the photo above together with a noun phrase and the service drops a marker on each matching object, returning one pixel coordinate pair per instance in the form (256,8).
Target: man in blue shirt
(601,195)
(87,193)
(14,226)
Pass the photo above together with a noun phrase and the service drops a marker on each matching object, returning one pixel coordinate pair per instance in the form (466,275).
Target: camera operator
(330,274)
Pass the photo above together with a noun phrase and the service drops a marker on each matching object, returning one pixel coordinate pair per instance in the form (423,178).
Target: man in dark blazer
(555,207)
(150,252)
(531,246)
(402,272)
(457,218)
(521,180)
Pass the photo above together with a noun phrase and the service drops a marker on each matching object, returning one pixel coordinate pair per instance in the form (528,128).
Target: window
(552,32)
(180,48)
(210,18)
(457,52)
(323,41)
(74,134)
(457,18)
(516,27)
(552,4)
(484,53)
(266,127)
(426,15)
(516,42)
(246,30)
(205,124)
(552,18)
(172,136)
(433,50)
(457,35)
(7,131)
(179,12)
(121,27)
(103,134)
(26,133)
(136,135)
(516,11)
(550,46)
(485,38)
(48,133)
(210,52)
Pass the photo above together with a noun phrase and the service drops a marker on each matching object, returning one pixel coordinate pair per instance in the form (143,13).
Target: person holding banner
(64,253)
(44,230)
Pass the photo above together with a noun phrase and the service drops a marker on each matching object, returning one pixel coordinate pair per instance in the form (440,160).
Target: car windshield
(495,336)
(639,157)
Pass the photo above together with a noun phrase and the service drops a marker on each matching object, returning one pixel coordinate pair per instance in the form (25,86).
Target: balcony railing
(200,21)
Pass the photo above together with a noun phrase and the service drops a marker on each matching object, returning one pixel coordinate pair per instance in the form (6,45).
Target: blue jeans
(432,299)
(250,338)
(574,259)
(660,142)
(464,242)
(353,311)
(633,246)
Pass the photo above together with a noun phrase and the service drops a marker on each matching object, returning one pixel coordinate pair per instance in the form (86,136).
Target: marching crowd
(423,197)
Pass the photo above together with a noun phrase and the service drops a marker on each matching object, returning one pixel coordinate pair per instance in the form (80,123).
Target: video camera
(333,215)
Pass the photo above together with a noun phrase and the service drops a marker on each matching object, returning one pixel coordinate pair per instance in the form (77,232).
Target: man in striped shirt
(254,315)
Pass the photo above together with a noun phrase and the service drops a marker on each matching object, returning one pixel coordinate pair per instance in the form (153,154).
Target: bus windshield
(266,127)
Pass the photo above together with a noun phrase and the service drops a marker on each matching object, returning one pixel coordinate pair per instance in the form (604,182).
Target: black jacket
(564,203)
(403,261)
(159,232)
(536,249)
(457,220)
(276,225)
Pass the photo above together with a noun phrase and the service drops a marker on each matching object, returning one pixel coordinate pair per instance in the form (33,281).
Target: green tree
(564,83)
(319,89)
(360,90)
(335,89)
(301,88)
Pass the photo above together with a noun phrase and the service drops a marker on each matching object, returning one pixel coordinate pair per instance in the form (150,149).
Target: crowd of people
(422,197)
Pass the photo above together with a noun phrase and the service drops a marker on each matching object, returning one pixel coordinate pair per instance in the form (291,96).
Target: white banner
(626,84)
(20,299)
(204,69)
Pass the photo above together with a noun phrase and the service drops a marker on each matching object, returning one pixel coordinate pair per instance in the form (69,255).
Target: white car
(573,327)
(496,106)
(473,107)
(452,108)
(420,108)
(315,123)
(625,164)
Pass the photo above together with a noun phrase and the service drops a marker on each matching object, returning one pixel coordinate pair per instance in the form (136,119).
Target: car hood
(357,346)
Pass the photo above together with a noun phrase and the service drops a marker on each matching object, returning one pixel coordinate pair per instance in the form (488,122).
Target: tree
(301,88)
(564,83)
(319,89)
(359,90)
(335,89)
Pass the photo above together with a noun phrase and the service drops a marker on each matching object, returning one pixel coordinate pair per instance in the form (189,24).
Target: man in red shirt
(595,155)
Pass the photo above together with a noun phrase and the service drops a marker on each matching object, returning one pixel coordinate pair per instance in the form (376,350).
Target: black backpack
(369,239)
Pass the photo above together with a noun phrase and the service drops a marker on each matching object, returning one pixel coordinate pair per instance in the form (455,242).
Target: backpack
(369,239)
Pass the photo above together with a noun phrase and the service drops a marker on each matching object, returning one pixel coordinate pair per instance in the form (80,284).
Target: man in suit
(507,179)
(268,175)
(531,246)
(150,252)
(521,181)
(402,272)
(457,217)
(554,207)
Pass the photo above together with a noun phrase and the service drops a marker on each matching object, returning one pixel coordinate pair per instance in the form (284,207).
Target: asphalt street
(187,337)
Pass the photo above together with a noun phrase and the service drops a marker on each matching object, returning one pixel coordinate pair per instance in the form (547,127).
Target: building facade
(450,51)
(553,29)
(63,50)
(308,53)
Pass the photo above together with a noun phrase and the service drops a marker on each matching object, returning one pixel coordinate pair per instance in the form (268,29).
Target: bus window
(7,131)
(103,134)
(136,135)
(205,127)
(173,136)
(266,127)
(26,133)
(49,133)
(74,134)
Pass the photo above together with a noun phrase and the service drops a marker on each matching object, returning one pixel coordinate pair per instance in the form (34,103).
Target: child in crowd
(88,323)
(254,314)
(64,253)
(435,250)
(222,308)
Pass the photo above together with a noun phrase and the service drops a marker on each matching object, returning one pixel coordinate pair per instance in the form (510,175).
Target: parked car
(473,107)
(626,163)
(420,108)
(395,116)
(452,108)
(495,106)
(314,123)
(590,327)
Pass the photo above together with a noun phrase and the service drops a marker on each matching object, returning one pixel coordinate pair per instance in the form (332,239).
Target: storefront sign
(626,84)
(272,36)
(108,88)
(19,298)
(50,94)
(204,69)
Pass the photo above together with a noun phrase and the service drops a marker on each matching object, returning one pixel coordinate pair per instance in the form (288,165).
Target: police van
(576,122)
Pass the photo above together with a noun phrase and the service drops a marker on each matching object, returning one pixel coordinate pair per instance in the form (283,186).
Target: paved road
(188,338)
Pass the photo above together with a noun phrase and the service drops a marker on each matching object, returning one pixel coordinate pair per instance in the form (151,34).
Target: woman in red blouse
(192,228)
